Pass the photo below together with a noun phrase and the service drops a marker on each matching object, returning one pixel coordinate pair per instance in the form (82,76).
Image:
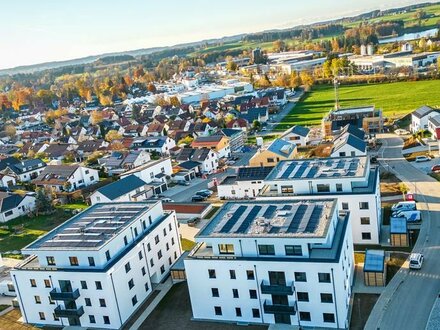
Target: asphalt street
(408,299)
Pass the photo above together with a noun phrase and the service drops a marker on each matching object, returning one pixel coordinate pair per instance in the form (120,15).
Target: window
(107,255)
(287,189)
(303,296)
(98,285)
(7,214)
(125,240)
(270,160)
(235,293)
(169,261)
(300,277)
(211,273)
(102,302)
(135,232)
(91,261)
(214,292)
(238,311)
(84,285)
(326,298)
(87,171)
(156,239)
(33,283)
(232,274)
(253,294)
(127,267)
(92,319)
(321,188)
(305,316)
(266,250)
(172,240)
(50,261)
(47,284)
(88,301)
(339,187)
(73,261)
(365,220)
(92,178)
(149,219)
(366,235)
(106,319)
(226,248)
(159,254)
(328,317)
(151,262)
(134,300)
(42,316)
(293,250)
(37,299)
(250,275)
(140,255)
(324,277)
(345,206)
(130,284)
(363,205)
(148,247)
(51,302)
(55,318)
(143,271)
(170,228)
(218,310)
(255,312)
(147,287)
(164,232)
(144,225)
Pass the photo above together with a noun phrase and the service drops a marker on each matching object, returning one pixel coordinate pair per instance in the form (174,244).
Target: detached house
(218,143)
(25,170)
(420,117)
(237,138)
(15,205)
(348,145)
(66,177)
(277,151)
(202,161)
(159,144)
(118,162)
(297,134)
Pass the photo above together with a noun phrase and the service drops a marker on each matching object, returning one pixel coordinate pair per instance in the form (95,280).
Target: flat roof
(319,168)
(398,225)
(374,261)
(342,111)
(93,227)
(302,219)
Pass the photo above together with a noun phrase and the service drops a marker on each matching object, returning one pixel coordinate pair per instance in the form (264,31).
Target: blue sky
(35,31)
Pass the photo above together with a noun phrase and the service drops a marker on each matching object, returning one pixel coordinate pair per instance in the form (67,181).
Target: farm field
(395,99)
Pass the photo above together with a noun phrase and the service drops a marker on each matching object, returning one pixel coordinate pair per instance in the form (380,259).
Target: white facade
(98,286)
(231,188)
(83,177)
(149,171)
(421,122)
(231,279)
(26,205)
(7,181)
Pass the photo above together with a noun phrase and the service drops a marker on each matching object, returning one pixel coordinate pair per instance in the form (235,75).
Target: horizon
(55,41)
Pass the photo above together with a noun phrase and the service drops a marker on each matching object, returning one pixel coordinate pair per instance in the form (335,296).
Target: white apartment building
(96,269)
(351,180)
(266,262)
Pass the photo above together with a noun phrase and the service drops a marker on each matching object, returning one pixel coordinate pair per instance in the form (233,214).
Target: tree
(186,140)
(117,146)
(282,80)
(307,80)
(43,202)
(231,66)
(174,101)
(151,88)
(279,46)
(112,135)
(256,125)
(295,80)
(10,130)
(264,82)
(96,117)
(67,186)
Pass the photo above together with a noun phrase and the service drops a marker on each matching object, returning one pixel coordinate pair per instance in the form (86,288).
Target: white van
(415,261)
(410,216)
(411,205)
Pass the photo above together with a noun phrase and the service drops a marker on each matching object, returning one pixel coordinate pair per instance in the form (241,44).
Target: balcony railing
(57,295)
(278,309)
(63,312)
(276,289)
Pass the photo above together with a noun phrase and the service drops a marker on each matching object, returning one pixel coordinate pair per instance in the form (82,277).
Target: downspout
(116,298)
(258,292)
(19,294)
(334,295)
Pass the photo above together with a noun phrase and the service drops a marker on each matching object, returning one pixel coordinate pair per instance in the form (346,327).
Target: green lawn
(22,231)
(395,99)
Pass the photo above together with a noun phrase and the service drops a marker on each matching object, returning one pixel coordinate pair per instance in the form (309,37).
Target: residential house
(25,170)
(348,145)
(420,118)
(239,123)
(275,152)
(237,138)
(434,125)
(119,162)
(66,177)
(58,151)
(159,144)
(15,205)
(128,189)
(155,129)
(218,143)
(297,134)
(88,147)
(7,181)
(207,160)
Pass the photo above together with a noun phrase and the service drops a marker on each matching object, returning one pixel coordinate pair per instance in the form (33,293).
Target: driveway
(408,299)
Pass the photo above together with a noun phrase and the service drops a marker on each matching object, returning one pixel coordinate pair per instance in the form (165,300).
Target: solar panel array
(254,173)
(318,168)
(374,261)
(300,217)
(95,226)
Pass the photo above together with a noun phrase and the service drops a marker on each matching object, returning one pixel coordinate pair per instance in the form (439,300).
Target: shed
(374,268)
(399,232)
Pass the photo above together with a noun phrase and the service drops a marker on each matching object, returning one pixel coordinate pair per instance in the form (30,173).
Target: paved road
(407,300)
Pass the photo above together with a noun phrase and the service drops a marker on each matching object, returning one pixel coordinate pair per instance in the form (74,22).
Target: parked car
(435,168)
(373,160)
(401,131)
(198,198)
(230,162)
(408,206)
(167,200)
(183,183)
(420,159)
(416,261)
(205,193)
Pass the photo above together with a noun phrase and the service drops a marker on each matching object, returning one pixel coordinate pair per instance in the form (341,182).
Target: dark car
(205,193)
(435,168)
(373,160)
(198,198)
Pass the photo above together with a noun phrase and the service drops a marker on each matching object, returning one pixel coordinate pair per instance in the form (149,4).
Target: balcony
(276,289)
(278,309)
(62,312)
(57,295)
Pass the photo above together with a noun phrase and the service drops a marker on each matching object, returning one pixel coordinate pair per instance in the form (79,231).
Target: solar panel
(352,167)
(274,230)
(288,171)
(286,207)
(314,219)
(233,220)
(249,218)
(329,163)
(340,165)
(294,225)
(312,172)
(301,171)
(269,211)
(351,173)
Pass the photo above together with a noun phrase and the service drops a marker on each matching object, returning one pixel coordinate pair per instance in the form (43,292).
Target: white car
(401,131)
(420,159)
(416,260)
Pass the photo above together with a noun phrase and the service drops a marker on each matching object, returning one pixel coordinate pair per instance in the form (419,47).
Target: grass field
(395,99)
